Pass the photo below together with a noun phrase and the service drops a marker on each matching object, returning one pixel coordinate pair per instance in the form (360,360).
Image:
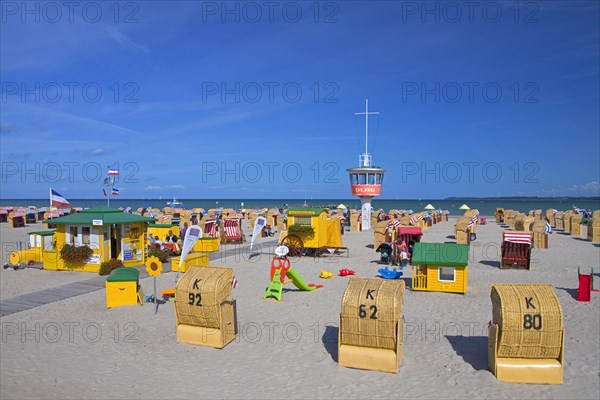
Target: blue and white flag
(548,228)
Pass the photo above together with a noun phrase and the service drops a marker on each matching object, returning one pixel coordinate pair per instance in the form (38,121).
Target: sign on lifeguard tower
(366,180)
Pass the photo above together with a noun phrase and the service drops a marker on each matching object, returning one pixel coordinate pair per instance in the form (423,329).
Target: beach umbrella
(429,207)
(343,207)
(464,207)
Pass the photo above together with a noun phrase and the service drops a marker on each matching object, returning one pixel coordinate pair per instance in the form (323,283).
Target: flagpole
(50,193)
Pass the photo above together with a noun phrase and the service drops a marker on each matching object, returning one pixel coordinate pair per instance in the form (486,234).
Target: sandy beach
(77,348)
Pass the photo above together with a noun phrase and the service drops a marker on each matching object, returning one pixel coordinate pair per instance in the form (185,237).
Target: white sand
(14,283)
(289,349)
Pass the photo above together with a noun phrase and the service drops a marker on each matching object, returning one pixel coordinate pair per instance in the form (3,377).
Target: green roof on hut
(101,215)
(451,254)
(306,211)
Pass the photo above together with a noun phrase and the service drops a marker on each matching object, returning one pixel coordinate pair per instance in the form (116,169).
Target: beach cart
(311,232)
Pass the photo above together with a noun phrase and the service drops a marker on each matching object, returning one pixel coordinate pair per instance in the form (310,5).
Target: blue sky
(257,99)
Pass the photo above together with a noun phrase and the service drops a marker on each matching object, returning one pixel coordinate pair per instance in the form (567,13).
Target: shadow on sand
(330,341)
(572,292)
(473,349)
(490,263)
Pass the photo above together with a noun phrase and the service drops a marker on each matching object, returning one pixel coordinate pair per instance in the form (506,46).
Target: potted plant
(75,254)
(107,266)
(297,229)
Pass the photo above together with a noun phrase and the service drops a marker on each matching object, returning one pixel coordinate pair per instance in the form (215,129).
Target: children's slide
(299,282)
(276,287)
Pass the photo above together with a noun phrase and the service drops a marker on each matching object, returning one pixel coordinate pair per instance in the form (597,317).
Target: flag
(57,200)
(193,233)
(104,191)
(234,283)
(113,171)
(258,227)
(115,192)
(548,228)
(108,181)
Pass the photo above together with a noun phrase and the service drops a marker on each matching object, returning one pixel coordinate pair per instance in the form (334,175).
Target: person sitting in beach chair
(171,243)
(156,242)
(266,231)
(171,238)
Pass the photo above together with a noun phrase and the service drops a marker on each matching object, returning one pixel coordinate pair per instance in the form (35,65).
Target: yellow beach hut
(440,267)
(108,232)
(310,228)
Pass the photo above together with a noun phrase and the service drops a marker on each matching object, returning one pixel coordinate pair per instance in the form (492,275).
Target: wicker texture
(575,225)
(387,297)
(550,216)
(214,286)
(520,335)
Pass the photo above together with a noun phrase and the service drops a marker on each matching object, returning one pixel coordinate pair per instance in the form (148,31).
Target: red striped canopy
(232,230)
(210,227)
(517,237)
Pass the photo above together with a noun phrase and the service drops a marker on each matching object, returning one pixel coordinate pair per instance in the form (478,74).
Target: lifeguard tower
(366,180)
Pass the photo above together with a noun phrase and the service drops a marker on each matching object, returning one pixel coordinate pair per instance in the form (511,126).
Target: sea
(486,207)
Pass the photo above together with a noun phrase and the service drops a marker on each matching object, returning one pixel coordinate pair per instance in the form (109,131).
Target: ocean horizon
(486,206)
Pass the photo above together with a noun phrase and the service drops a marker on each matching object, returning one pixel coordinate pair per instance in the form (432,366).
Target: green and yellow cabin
(440,267)
(109,232)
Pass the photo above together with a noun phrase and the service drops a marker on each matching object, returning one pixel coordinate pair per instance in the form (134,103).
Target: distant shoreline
(527,198)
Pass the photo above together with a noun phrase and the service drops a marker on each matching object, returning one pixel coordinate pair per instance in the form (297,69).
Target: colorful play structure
(280,269)
(387,273)
(586,285)
(39,241)
(440,267)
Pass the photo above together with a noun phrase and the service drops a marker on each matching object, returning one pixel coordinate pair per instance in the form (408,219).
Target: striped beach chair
(516,250)
(232,231)
(210,228)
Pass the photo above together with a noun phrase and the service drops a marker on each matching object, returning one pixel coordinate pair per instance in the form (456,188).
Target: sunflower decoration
(153,266)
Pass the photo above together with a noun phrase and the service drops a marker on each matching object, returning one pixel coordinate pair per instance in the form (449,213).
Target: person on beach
(171,238)
(184,231)
(158,242)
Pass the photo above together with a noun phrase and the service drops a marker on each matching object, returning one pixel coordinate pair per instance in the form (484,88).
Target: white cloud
(587,189)
(96,152)
(164,187)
